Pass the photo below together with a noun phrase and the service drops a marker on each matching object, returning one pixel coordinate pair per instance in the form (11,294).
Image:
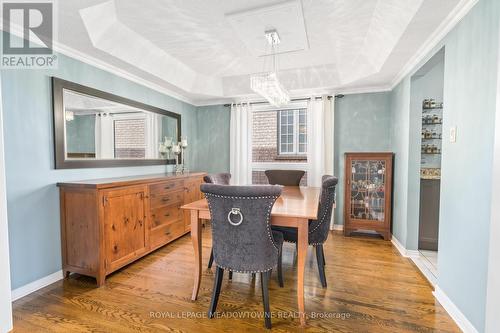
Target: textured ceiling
(195,48)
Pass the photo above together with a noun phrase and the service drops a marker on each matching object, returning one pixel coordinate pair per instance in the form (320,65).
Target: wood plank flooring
(371,288)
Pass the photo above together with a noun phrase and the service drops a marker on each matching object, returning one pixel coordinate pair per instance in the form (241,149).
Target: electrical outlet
(453,134)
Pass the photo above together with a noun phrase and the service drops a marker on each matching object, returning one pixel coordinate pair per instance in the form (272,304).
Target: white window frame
(295,142)
(263,166)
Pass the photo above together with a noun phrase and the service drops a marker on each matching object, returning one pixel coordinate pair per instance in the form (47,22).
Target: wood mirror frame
(61,162)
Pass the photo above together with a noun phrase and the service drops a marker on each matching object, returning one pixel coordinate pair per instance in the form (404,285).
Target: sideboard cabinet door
(125,235)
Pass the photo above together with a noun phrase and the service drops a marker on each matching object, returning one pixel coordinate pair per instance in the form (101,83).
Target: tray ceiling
(206,49)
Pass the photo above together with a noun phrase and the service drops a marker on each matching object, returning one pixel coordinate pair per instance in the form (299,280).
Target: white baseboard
(457,315)
(35,285)
(419,261)
(415,256)
(338,227)
(459,318)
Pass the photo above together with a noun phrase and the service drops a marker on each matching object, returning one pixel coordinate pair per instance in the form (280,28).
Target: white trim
(446,26)
(454,312)
(417,259)
(89,60)
(435,38)
(492,322)
(338,227)
(36,285)
(423,265)
(5,305)
(363,90)
(397,244)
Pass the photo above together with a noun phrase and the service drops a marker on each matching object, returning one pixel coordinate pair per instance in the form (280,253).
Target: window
(292,132)
(130,139)
(274,147)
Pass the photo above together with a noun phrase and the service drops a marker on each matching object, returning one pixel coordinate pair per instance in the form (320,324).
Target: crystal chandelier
(267,84)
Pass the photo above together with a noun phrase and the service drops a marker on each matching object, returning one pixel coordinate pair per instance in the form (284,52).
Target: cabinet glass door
(368,197)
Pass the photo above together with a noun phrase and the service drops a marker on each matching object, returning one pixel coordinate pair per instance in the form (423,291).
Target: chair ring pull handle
(235,211)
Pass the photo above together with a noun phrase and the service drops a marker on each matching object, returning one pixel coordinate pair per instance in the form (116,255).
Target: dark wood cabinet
(109,223)
(429,214)
(368,193)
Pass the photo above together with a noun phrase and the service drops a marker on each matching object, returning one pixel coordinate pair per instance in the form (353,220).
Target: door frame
(492,320)
(5,285)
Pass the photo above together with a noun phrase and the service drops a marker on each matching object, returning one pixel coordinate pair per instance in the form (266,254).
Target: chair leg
(230,275)
(320,258)
(211,260)
(323,255)
(280,267)
(219,273)
(264,281)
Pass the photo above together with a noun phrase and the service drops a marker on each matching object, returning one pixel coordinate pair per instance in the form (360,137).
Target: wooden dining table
(294,208)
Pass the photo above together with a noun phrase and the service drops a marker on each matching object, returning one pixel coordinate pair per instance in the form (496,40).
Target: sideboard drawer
(167,199)
(165,215)
(170,186)
(164,234)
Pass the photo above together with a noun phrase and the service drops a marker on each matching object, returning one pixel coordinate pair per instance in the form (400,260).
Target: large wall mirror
(96,129)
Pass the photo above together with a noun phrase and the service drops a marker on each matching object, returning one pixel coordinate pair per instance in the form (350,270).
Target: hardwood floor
(371,288)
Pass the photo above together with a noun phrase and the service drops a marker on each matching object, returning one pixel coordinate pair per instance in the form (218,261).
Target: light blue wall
(362,124)
(469,96)
(400,109)
(33,200)
(213,138)
(469,99)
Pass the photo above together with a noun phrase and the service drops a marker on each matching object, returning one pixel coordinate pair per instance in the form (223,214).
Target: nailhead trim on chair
(324,214)
(232,270)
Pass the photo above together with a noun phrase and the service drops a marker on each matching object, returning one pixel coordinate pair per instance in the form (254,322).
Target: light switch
(453,134)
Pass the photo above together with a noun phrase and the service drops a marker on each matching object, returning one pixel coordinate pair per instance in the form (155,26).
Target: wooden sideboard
(108,223)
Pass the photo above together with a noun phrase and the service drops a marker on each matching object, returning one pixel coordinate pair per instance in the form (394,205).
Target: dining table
(293,208)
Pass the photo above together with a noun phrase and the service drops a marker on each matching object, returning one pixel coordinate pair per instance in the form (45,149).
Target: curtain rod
(293,100)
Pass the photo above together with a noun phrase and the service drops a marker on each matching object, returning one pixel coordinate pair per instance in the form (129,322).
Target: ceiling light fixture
(267,84)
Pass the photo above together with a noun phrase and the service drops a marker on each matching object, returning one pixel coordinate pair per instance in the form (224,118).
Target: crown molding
(423,52)
(363,90)
(435,38)
(299,94)
(72,53)
(92,61)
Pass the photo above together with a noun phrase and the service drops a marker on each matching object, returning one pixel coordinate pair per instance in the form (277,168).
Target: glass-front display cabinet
(368,193)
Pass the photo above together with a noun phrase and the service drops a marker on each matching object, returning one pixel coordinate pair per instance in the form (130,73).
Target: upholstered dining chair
(243,239)
(284,177)
(219,179)
(319,228)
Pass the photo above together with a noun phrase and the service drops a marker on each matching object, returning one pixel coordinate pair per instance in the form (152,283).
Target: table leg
(196,238)
(302,245)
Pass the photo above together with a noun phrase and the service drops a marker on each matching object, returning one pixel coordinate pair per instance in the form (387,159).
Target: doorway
(427,88)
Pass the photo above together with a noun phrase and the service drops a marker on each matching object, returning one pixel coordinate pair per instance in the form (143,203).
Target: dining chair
(284,177)
(319,228)
(220,179)
(242,235)
(223,178)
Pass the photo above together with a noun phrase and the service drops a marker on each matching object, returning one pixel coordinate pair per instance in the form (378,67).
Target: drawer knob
(167,233)
(167,214)
(165,199)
